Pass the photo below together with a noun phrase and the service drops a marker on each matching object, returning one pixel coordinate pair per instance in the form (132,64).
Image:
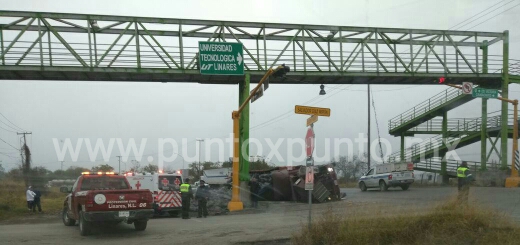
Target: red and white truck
(105,197)
(165,189)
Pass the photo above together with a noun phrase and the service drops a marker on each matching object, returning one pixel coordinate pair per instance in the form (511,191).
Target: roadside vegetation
(450,223)
(14,204)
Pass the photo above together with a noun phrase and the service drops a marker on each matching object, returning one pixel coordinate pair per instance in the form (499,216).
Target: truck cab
(384,176)
(105,197)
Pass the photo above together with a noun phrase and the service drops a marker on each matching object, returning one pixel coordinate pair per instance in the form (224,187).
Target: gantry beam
(62,46)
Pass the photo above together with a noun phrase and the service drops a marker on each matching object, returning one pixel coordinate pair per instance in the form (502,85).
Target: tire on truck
(405,187)
(84,226)
(65,217)
(140,225)
(382,186)
(362,186)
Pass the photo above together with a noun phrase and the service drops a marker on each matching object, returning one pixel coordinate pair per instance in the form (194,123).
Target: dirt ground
(272,223)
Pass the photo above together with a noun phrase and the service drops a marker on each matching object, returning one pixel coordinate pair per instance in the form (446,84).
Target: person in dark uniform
(37,201)
(202,196)
(186,194)
(254,188)
(464,178)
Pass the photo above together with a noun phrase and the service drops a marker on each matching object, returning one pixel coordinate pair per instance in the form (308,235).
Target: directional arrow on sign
(239,59)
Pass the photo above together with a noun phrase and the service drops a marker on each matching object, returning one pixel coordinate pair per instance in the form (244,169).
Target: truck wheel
(173,213)
(140,225)
(362,186)
(65,217)
(84,226)
(382,186)
(405,187)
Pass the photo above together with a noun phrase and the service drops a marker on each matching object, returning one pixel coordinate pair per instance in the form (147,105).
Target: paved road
(275,221)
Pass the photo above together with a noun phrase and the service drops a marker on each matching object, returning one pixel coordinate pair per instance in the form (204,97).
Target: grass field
(447,224)
(13,203)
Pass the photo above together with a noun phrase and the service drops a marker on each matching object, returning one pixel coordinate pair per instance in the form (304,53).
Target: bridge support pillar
(505,104)
(444,163)
(243,93)
(402,147)
(483,136)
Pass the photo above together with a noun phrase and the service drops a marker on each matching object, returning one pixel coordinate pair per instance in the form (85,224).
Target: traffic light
(443,80)
(282,71)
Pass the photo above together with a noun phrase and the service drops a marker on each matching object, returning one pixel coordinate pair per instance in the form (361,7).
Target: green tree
(103,168)
(350,169)
(150,168)
(74,172)
(211,165)
(227,164)
(260,164)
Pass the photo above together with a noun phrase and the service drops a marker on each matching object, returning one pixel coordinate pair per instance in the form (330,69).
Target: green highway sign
(217,58)
(485,93)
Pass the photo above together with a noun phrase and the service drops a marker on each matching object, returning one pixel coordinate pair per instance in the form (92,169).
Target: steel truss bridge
(84,47)
(60,46)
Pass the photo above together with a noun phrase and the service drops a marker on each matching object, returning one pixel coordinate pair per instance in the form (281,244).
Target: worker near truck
(29,194)
(464,178)
(186,194)
(254,188)
(202,196)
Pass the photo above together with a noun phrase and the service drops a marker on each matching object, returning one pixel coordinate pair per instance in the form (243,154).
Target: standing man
(186,194)
(254,188)
(202,196)
(29,194)
(37,196)
(464,178)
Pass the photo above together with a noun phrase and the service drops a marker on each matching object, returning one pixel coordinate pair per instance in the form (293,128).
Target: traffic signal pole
(514,180)
(236,204)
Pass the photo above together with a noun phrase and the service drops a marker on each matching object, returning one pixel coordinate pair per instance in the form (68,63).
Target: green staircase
(427,110)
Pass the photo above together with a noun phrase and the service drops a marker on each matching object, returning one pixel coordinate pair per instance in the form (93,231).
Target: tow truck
(165,189)
(105,197)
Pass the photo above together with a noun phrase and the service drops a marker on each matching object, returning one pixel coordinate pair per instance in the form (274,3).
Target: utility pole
(61,165)
(199,140)
(119,164)
(368,104)
(26,163)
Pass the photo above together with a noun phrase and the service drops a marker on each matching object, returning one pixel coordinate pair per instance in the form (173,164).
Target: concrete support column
(402,147)
(243,91)
(444,163)
(483,129)
(505,95)
(483,136)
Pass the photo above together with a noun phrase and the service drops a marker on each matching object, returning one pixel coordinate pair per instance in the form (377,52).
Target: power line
(9,144)
(486,9)
(11,122)
(8,130)
(289,113)
(494,16)
(377,125)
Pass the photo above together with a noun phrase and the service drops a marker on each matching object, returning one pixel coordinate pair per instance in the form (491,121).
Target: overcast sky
(64,109)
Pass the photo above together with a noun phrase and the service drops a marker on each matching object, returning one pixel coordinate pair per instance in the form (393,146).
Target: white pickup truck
(388,175)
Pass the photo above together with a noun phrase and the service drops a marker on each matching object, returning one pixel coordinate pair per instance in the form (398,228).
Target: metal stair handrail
(424,107)
(437,141)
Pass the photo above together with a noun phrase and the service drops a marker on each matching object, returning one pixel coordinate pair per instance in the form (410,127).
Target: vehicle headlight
(100,199)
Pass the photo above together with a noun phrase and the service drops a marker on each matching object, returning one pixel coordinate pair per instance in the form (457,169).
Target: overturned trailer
(288,184)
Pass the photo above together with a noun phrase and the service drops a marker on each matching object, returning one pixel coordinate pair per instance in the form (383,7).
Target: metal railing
(455,135)
(452,165)
(425,107)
